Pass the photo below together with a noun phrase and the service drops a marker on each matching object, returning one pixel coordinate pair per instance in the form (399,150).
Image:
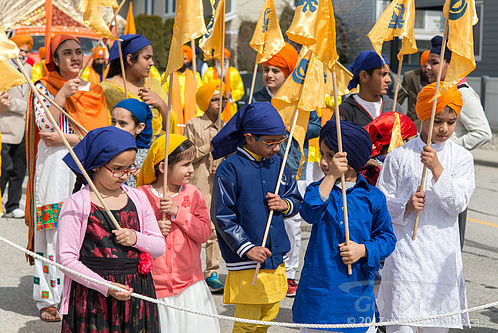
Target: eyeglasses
(120,173)
(272,144)
(217,100)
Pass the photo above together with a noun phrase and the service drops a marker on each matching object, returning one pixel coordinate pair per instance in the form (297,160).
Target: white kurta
(424,277)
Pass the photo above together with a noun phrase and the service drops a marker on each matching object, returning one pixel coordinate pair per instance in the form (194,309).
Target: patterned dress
(89,310)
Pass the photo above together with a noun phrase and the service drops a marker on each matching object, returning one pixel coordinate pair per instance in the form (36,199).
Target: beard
(22,59)
(99,68)
(226,64)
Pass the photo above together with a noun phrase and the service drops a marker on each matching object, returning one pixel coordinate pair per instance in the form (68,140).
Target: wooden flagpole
(433,115)
(194,62)
(66,143)
(121,57)
(343,177)
(400,64)
(222,60)
(99,41)
(254,73)
(166,144)
(282,168)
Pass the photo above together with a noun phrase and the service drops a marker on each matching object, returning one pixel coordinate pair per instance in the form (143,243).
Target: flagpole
(166,144)
(123,74)
(433,115)
(400,64)
(222,60)
(343,177)
(194,62)
(282,168)
(99,41)
(66,143)
(253,79)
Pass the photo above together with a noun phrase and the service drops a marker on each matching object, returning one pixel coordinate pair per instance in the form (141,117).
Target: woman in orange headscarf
(50,181)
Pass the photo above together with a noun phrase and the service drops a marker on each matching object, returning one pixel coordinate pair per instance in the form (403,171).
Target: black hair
(371,70)
(185,150)
(115,65)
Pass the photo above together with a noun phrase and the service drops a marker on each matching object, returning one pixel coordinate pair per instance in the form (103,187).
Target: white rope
(242,320)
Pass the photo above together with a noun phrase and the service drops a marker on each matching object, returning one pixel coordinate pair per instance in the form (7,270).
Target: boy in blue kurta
(326,293)
(243,189)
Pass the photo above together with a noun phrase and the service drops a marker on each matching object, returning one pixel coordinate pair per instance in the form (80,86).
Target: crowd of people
(216,187)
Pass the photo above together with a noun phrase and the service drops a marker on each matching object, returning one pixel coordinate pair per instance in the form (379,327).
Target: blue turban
(98,147)
(437,44)
(255,118)
(365,61)
(142,111)
(355,141)
(129,45)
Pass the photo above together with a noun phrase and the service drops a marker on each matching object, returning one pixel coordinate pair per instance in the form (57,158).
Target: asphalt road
(19,314)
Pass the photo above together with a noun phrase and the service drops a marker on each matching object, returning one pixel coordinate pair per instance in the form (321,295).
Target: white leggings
(414,329)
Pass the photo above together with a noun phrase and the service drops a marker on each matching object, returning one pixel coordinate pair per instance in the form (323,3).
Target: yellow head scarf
(147,174)
(205,93)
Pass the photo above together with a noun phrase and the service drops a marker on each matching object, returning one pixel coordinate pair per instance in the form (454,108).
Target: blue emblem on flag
(310,5)
(457,9)
(299,72)
(397,20)
(266,18)
(209,28)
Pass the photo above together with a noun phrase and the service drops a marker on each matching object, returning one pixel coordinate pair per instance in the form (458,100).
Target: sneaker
(214,283)
(17,213)
(291,287)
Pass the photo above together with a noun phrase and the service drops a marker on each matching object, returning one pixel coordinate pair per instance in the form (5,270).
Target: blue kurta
(326,294)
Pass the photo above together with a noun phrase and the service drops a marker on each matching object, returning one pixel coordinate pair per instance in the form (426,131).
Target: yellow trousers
(267,312)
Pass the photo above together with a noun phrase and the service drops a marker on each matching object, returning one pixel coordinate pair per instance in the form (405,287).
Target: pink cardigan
(71,233)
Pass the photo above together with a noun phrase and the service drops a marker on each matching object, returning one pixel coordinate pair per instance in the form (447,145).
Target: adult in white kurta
(424,277)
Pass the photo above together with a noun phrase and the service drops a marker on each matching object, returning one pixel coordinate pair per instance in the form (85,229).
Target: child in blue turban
(135,117)
(243,195)
(326,293)
(371,74)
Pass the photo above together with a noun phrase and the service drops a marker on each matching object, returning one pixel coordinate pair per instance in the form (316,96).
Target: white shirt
(373,108)
(424,277)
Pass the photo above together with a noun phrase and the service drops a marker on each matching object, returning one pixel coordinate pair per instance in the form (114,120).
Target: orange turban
(424,57)
(227,54)
(451,98)
(52,47)
(285,59)
(41,52)
(100,53)
(206,92)
(22,40)
(187,51)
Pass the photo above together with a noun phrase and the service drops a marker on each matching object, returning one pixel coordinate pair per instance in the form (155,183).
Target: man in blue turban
(371,74)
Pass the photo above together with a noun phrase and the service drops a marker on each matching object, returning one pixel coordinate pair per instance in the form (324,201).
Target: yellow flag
(304,89)
(93,17)
(10,77)
(461,16)
(396,138)
(212,39)
(343,76)
(8,49)
(189,25)
(397,20)
(267,39)
(314,26)
(130,21)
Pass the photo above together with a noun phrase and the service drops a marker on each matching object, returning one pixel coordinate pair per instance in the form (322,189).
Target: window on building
(419,19)
(169,7)
(478,30)
(149,7)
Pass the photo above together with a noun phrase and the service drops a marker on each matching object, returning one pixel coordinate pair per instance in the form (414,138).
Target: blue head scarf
(255,118)
(365,61)
(355,141)
(142,111)
(130,44)
(436,46)
(98,147)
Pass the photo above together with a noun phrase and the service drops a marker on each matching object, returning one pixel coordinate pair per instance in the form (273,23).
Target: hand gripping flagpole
(343,177)
(66,143)
(282,168)
(99,41)
(433,115)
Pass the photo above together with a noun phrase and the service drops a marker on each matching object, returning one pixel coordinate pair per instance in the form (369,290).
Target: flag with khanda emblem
(93,16)
(212,40)
(313,26)
(10,77)
(189,25)
(398,20)
(343,76)
(304,89)
(267,39)
(461,16)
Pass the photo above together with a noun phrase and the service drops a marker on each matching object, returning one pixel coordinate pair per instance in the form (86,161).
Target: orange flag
(130,21)
(267,39)
(93,16)
(10,76)
(212,40)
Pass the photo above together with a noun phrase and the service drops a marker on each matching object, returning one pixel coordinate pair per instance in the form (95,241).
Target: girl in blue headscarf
(134,117)
(89,243)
